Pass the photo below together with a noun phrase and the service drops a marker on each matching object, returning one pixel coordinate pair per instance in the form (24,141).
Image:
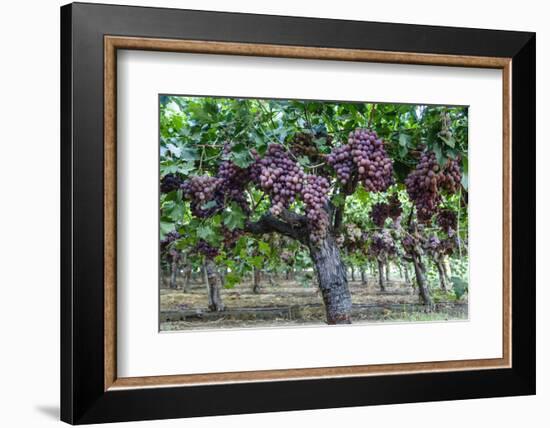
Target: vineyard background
(240,177)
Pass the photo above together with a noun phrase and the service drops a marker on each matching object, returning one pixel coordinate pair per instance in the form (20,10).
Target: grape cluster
(170,182)
(432,243)
(394,208)
(353,238)
(233,180)
(279,176)
(230,237)
(314,194)
(446,219)
(435,246)
(379,214)
(410,245)
(382,244)
(365,158)
(448,245)
(340,159)
(425,181)
(381,211)
(303,144)
(202,190)
(206,249)
(165,247)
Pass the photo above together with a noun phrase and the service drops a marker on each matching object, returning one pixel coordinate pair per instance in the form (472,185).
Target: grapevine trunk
(381,281)
(257,276)
(442,276)
(173,273)
(419,270)
(212,280)
(331,276)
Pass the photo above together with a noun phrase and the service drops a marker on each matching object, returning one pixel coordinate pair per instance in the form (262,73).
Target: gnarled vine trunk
(173,273)
(442,275)
(212,280)
(381,281)
(331,276)
(257,274)
(387,272)
(363,276)
(406,272)
(419,270)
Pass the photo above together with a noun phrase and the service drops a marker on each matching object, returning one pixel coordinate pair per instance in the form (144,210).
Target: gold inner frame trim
(113,43)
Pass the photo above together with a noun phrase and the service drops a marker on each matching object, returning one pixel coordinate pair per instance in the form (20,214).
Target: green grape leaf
(460,287)
(234,217)
(206,233)
(264,248)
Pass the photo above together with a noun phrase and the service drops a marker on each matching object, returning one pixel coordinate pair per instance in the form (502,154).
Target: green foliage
(194,130)
(460,286)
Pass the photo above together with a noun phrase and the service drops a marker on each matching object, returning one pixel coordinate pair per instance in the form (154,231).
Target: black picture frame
(83,398)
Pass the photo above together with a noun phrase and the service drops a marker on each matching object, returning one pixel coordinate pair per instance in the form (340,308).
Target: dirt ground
(285,303)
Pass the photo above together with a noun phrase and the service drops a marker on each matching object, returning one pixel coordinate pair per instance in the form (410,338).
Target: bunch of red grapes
(279,176)
(202,190)
(365,158)
(314,193)
(382,244)
(447,220)
(206,249)
(166,248)
(234,180)
(230,237)
(170,182)
(427,179)
(381,211)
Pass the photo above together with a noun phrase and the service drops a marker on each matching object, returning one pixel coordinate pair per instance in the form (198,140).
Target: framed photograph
(266,213)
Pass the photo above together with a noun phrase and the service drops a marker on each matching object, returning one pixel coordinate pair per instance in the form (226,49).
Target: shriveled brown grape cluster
(426,181)
(314,193)
(365,158)
(303,144)
(279,176)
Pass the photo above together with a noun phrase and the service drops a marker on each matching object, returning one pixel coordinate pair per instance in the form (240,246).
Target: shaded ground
(287,303)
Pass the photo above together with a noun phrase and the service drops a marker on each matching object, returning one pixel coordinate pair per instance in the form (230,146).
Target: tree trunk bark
(331,277)
(186,278)
(212,280)
(419,270)
(447,267)
(406,273)
(363,276)
(173,273)
(388,272)
(442,276)
(381,275)
(256,280)
(352,273)
(163,281)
